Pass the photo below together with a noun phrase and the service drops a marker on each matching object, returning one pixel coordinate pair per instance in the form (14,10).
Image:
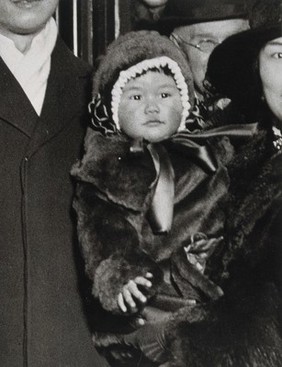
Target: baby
(148,195)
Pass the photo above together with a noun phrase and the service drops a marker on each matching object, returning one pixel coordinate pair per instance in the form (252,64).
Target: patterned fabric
(277,141)
(203,111)
(100,119)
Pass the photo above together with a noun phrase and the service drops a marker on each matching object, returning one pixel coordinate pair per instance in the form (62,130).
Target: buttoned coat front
(42,319)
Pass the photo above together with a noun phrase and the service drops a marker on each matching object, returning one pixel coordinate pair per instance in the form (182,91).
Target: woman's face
(270,68)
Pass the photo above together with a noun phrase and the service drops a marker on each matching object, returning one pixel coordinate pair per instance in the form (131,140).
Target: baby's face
(150,107)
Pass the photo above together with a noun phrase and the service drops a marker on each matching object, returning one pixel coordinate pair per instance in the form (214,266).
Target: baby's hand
(131,293)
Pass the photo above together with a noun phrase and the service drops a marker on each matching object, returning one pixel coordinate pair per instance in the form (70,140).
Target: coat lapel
(12,96)
(63,97)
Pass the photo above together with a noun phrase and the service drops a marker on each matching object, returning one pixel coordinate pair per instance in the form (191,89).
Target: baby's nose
(152,106)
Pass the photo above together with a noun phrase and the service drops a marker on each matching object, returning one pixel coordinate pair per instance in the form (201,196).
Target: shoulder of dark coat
(251,152)
(68,63)
(255,201)
(255,164)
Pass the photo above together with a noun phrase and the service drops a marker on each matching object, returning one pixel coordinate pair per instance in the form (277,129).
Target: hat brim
(230,67)
(166,25)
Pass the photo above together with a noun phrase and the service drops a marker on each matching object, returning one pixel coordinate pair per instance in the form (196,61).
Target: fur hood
(132,48)
(138,51)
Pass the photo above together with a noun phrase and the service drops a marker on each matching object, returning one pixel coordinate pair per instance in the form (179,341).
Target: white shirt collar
(32,68)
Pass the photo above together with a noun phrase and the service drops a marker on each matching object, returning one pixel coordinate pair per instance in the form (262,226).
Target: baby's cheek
(177,110)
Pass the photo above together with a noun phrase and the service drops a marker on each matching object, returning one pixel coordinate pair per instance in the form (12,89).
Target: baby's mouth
(153,122)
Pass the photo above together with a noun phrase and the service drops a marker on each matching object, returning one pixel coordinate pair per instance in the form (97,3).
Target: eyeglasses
(205,45)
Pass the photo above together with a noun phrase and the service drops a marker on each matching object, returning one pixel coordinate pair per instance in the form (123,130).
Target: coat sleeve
(110,246)
(113,192)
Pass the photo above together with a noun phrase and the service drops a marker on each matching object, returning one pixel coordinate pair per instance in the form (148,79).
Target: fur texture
(113,197)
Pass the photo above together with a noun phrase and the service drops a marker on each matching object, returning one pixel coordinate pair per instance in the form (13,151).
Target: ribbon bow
(160,214)
(196,144)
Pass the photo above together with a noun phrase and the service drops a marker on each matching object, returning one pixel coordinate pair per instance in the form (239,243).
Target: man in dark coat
(42,320)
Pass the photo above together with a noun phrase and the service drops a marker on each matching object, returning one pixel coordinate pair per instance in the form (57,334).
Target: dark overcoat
(42,320)
(243,328)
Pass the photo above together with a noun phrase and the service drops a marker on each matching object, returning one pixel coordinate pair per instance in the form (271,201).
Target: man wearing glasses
(198,26)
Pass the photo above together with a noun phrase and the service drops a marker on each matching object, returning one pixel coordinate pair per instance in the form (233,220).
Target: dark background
(88,26)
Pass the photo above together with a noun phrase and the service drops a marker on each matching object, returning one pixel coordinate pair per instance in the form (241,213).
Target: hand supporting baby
(131,298)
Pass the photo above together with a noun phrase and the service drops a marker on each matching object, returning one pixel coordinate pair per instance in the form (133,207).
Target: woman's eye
(277,55)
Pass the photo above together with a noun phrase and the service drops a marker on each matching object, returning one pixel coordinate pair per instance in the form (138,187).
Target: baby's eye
(277,55)
(135,97)
(165,95)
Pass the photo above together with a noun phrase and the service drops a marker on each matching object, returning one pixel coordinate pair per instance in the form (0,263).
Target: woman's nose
(152,106)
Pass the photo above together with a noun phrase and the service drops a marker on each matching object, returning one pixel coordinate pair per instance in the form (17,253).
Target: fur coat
(240,328)
(114,193)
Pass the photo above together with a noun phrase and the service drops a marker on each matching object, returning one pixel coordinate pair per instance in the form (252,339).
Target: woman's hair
(252,102)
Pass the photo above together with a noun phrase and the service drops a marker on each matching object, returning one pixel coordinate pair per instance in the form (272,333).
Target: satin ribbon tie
(160,214)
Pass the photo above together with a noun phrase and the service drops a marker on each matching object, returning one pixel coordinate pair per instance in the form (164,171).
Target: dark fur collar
(123,178)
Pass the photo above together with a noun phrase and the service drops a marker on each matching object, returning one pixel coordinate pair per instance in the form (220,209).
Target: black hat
(186,12)
(232,65)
